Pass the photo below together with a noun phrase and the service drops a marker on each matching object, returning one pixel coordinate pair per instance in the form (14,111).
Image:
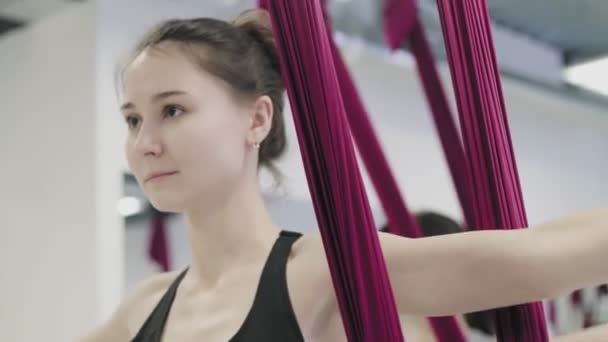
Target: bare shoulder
(309,242)
(310,285)
(309,250)
(307,258)
(142,300)
(310,245)
(308,254)
(133,310)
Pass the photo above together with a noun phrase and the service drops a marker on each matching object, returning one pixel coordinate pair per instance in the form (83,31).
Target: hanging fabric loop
(498,201)
(345,221)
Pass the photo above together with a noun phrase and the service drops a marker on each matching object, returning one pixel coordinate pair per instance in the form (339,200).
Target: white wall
(55,216)
(47,182)
(560,143)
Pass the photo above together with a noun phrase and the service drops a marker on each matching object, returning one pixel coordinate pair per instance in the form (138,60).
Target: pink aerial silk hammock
(158,246)
(347,228)
(401,221)
(310,76)
(494,200)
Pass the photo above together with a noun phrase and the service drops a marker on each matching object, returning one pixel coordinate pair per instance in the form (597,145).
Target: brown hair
(240,52)
(432,224)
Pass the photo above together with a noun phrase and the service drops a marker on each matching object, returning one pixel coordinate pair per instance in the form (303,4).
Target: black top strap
(155,324)
(271,318)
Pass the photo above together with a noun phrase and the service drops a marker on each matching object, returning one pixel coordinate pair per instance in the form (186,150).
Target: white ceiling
(572,31)
(575,27)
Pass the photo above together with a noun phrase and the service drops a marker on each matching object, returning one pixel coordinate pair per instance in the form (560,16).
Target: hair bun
(257,24)
(257,17)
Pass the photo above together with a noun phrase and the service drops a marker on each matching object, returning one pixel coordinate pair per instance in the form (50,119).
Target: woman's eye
(172,111)
(132,121)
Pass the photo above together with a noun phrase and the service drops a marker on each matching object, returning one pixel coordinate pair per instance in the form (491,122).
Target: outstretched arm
(486,269)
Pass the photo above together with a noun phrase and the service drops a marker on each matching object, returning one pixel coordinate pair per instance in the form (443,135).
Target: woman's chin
(166,205)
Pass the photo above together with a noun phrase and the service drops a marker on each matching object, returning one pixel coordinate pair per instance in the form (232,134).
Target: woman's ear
(261,120)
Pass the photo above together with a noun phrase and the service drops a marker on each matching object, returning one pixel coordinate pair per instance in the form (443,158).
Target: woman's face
(189,140)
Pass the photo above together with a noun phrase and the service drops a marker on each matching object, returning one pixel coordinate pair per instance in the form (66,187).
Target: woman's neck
(229,234)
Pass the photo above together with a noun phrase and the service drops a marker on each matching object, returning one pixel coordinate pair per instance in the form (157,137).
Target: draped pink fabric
(494,200)
(401,24)
(498,201)
(158,248)
(401,221)
(350,238)
(400,17)
(316,87)
(443,120)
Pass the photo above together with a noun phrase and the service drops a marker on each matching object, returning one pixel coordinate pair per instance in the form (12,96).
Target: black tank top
(271,317)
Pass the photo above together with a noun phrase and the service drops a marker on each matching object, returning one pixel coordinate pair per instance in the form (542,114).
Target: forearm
(570,252)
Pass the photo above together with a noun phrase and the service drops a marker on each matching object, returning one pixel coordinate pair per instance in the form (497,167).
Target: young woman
(203,101)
